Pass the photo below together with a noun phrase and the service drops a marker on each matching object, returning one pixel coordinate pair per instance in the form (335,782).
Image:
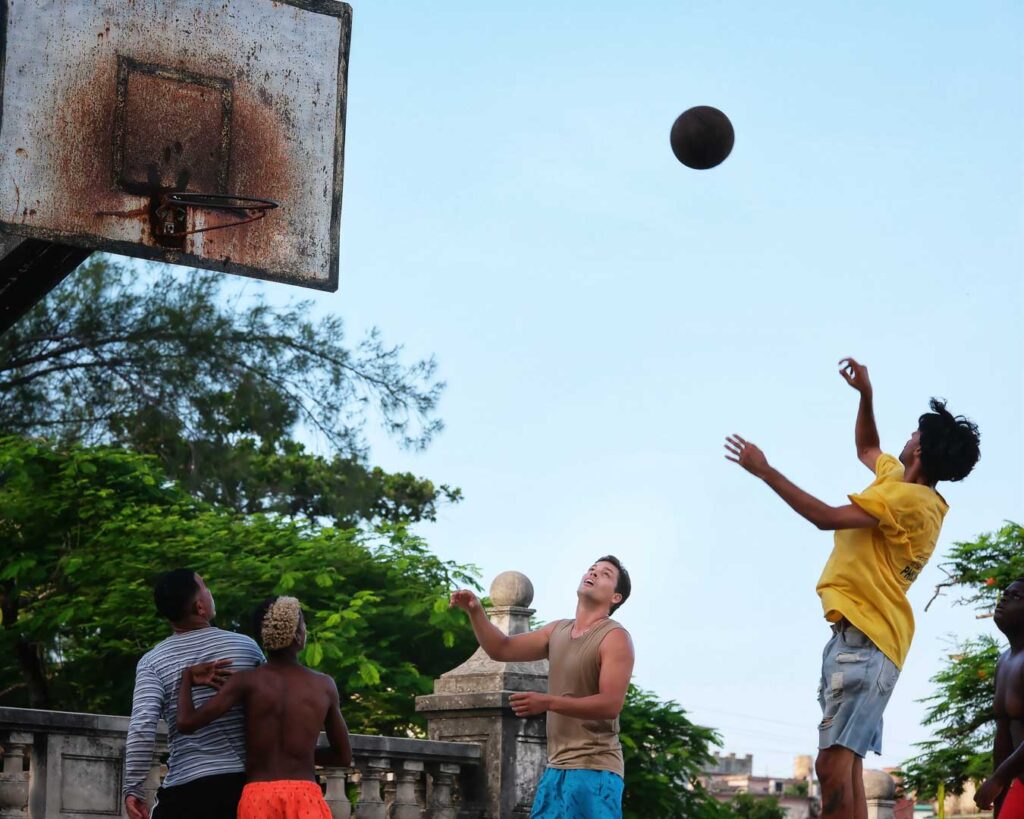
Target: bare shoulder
(326,681)
(617,639)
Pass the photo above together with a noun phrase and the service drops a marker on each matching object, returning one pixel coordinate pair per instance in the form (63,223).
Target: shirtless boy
(286,706)
(1005,787)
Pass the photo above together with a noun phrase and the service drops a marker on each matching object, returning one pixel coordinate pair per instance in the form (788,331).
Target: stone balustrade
(481,761)
(66,765)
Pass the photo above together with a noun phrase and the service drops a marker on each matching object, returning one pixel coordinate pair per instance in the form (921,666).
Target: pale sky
(605,316)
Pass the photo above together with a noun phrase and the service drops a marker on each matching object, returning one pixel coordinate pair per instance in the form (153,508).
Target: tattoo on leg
(834,800)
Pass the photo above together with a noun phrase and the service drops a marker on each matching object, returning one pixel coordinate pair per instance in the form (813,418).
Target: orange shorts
(1013,804)
(283,799)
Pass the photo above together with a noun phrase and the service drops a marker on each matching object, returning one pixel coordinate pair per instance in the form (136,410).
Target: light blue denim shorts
(857,680)
(578,794)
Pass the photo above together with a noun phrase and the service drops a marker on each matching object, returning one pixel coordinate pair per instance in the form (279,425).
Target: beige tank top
(573,671)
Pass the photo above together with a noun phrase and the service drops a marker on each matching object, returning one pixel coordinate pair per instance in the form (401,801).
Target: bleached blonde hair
(280,623)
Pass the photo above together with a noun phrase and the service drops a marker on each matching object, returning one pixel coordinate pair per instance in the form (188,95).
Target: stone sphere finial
(511,589)
(879,785)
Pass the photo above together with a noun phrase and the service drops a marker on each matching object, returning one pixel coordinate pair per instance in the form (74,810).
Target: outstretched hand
(465,600)
(856,375)
(746,454)
(213,674)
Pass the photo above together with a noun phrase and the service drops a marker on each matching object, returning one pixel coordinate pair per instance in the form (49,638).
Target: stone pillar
(880,790)
(471,704)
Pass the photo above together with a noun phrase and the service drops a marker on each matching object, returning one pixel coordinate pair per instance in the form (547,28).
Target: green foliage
(84,531)
(664,754)
(746,806)
(960,710)
(217,389)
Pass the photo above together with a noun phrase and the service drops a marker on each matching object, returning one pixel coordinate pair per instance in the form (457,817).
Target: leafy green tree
(960,710)
(218,389)
(664,754)
(746,806)
(84,531)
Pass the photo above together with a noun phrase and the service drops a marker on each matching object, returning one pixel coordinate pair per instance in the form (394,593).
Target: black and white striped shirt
(218,748)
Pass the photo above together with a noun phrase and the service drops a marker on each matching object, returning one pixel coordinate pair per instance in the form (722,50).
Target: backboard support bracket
(29,269)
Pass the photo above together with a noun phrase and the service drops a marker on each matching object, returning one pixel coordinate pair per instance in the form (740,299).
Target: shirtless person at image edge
(1005,787)
(590,661)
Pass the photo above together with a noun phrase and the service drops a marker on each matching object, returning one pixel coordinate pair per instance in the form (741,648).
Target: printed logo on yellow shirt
(911,571)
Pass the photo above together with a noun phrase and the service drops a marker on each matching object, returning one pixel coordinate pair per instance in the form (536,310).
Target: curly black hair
(950,445)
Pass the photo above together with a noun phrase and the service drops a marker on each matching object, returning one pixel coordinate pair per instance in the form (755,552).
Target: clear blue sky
(604,316)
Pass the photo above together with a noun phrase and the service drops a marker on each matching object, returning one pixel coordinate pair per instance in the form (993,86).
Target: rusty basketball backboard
(200,133)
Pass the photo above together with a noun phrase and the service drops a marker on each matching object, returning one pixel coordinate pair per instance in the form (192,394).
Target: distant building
(731,764)
(797,794)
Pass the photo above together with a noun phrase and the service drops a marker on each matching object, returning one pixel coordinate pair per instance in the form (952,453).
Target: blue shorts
(578,794)
(857,680)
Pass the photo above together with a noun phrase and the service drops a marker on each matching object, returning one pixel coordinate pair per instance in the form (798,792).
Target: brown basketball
(702,137)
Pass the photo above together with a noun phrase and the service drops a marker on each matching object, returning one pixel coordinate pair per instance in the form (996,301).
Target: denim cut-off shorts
(856,682)
(578,794)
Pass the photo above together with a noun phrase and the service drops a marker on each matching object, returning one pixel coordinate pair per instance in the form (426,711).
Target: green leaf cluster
(960,709)
(747,806)
(218,389)
(665,753)
(85,530)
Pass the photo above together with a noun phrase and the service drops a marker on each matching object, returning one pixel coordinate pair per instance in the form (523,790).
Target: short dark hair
(622,585)
(950,446)
(173,592)
(258,616)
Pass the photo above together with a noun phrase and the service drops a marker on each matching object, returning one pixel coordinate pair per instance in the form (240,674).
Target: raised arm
(616,657)
(533,645)
(188,719)
(865,432)
(340,752)
(752,459)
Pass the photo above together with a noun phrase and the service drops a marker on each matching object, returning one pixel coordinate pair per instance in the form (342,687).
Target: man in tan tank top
(590,662)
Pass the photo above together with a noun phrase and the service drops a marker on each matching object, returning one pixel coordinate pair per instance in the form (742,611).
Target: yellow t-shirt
(869,571)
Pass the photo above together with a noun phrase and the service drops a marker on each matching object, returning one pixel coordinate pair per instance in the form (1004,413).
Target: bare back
(286,707)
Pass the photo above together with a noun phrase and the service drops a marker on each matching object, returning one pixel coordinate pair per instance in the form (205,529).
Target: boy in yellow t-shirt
(883,539)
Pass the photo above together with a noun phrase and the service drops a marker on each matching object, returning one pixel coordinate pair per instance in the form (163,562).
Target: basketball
(702,137)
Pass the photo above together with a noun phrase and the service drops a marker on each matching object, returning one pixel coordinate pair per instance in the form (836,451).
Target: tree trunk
(30,655)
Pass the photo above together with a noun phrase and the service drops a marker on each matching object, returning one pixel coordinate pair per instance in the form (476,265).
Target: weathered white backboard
(111,109)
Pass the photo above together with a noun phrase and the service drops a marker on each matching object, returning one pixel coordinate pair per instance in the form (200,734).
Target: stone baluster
(406,806)
(443,779)
(421,791)
(14,781)
(371,804)
(336,794)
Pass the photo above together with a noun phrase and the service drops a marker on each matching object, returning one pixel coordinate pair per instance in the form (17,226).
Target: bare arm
(803,503)
(340,752)
(533,645)
(616,657)
(865,431)
(188,719)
